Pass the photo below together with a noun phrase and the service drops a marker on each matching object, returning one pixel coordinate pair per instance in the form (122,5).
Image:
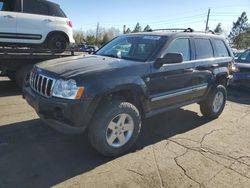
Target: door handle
(48,20)
(9,16)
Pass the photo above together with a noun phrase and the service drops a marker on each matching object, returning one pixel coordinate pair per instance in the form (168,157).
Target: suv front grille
(41,84)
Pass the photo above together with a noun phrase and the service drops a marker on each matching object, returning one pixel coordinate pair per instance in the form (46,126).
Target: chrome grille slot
(41,84)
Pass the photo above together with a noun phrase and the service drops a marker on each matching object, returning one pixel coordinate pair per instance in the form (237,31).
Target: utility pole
(208,14)
(97,33)
(124,29)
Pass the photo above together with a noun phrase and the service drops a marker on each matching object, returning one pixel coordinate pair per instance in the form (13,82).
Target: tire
(215,102)
(105,132)
(58,42)
(22,74)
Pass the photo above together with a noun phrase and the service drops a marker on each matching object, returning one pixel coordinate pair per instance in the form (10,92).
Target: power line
(196,18)
(182,21)
(159,21)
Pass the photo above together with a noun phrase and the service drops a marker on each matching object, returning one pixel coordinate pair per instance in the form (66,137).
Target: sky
(85,14)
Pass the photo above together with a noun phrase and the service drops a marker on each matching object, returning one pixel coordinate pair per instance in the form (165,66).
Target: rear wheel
(58,42)
(213,106)
(115,128)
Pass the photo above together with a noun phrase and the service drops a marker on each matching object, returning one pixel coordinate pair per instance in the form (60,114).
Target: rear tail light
(69,23)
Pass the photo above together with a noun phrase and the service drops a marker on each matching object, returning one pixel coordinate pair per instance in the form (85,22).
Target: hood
(78,65)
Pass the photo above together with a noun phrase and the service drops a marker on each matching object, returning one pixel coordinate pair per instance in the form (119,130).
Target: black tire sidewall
(208,104)
(97,130)
(54,39)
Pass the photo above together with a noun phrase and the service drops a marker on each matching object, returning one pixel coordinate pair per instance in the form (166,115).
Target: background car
(241,77)
(36,23)
(237,53)
(88,48)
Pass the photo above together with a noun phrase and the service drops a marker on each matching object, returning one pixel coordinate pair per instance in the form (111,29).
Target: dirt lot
(176,149)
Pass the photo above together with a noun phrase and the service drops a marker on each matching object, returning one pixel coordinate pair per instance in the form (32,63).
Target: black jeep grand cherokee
(134,76)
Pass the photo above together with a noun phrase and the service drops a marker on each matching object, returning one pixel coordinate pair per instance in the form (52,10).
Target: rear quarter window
(203,48)
(221,49)
(55,10)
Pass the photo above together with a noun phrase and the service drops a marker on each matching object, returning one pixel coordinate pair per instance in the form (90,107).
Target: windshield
(134,47)
(245,57)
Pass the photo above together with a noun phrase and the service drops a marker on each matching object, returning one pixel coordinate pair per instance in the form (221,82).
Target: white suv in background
(34,23)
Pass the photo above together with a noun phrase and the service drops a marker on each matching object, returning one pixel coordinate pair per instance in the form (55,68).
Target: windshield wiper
(109,55)
(126,58)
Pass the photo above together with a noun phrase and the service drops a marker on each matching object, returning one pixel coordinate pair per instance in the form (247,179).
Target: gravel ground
(176,149)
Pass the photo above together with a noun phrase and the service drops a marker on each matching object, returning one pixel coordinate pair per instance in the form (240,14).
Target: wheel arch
(58,33)
(222,78)
(133,94)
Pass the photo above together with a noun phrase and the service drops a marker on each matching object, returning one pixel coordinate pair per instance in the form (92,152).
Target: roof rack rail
(206,32)
(175,29)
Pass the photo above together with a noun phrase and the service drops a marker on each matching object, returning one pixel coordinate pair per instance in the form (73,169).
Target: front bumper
(70,117)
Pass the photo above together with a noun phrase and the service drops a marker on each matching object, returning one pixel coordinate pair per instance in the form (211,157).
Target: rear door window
(1,5)
(10,5)
(203,48)
(221,49)
(182,46)
(35,7)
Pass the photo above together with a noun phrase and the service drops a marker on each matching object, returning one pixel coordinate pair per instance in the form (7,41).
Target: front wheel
(115,128)
(215,102)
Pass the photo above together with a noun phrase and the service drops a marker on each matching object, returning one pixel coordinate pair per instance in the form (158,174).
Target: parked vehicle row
(34,23)
(241,75)
(88,48)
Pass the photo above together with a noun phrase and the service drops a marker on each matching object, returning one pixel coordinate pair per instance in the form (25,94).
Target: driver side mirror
(169,58)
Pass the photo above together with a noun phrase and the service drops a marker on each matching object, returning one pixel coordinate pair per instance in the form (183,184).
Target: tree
(147,29)
(105,38)
(128,31)
(137,28)
(109,34)
(238,27)
(79,37)
(104,35)
(91,39)
(242,41)
(218,29)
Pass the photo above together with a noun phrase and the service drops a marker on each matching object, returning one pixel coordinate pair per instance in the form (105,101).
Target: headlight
(67,89)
